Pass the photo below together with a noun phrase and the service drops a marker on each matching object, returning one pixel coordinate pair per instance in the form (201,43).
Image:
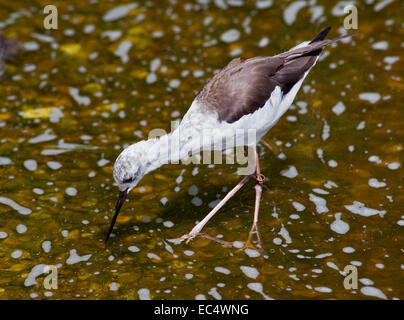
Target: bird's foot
(249,244)
(188,237)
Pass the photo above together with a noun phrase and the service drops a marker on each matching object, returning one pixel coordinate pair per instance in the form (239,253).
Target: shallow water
(107,76)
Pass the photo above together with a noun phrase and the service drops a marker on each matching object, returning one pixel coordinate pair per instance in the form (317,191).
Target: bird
(250,94)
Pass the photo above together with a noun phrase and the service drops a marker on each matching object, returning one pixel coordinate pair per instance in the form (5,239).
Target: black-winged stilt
(246,94)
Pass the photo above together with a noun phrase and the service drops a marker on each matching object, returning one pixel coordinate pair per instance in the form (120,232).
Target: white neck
(172,148)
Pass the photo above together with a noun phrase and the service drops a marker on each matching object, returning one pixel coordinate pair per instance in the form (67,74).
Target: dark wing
(240,88)
(244,86)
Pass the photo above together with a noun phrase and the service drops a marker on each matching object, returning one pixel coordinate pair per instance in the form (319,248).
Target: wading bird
(246,94)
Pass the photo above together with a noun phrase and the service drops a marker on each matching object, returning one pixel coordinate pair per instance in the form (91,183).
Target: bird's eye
(129,180)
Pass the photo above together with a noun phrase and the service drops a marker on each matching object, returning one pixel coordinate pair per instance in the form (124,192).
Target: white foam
(338,225)
(257,287)
(321,203)
(229,36)
(222,270)
(291,172)
(36,271)
(133,249)
(373,292)
(75,258)
(5,161)
(393,165)
(250,272)
(380,45)
(30,165)
(252,253)
(11,203)
(81,100)
(359,208)
(285,234)
(119,12)
(144,294)
(123,50)
(298,206)
(374,183)
(154,256)
(46,246)
(339,108)
(372,97)
(215,294)
(290,13)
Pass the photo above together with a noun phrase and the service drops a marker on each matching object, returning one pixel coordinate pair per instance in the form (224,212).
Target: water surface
(78,95)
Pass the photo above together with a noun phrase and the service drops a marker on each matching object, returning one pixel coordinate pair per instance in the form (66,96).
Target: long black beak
(119,203)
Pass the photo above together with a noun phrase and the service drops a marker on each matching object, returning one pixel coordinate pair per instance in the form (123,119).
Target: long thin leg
(197,229)
(258,192)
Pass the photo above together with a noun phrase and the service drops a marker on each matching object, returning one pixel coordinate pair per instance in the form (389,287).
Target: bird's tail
(321,35)
(315,46)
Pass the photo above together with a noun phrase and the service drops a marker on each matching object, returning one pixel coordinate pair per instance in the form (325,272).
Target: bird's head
(129,168)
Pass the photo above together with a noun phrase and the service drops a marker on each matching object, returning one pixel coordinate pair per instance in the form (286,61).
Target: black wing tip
(321,36)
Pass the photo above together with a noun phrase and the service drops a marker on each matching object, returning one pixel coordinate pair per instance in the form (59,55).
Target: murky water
(107,76)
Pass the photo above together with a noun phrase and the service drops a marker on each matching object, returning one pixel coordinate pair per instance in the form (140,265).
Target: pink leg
(197,229)
(258,192)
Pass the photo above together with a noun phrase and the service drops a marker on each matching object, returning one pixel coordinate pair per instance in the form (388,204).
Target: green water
(334,162)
